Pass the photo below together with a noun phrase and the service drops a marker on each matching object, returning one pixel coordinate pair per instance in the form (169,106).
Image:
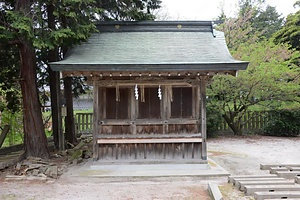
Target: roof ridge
(155,26)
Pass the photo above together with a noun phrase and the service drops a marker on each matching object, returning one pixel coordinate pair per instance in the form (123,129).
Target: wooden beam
(148,141)
(149,82)
(203,116)
(120,122)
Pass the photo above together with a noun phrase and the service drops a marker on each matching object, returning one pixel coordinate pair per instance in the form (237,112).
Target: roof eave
(150,67)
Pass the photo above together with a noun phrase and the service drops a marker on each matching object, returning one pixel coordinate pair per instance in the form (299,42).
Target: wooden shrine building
(149,81)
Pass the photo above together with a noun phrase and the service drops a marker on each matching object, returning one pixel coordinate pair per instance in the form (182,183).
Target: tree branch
(7,25)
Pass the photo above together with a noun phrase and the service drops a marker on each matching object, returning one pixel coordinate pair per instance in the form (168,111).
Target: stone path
(281,183)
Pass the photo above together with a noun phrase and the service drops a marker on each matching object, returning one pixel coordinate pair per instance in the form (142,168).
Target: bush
(213,120)
(283,123)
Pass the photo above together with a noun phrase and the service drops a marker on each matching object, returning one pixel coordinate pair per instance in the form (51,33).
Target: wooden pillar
(133,113)
(165,111)
(203,117)
(95,119)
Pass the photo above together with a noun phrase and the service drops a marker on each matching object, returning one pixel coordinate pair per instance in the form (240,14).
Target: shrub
(213,120)
(283,123)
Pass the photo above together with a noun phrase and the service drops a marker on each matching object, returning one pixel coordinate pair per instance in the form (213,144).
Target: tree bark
(235,126)
(69,120)
(35,141)
(54,84)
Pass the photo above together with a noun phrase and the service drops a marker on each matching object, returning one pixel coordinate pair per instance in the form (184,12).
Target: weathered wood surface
(141,147)
(10,159)
(3,134)
(145,151)
(84,123)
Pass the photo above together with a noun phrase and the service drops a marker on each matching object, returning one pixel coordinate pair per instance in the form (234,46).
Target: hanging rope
(136,92)
(159,93)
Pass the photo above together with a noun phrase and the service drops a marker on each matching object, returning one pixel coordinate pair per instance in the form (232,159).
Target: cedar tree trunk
(54,83)
(69,120)
(35,141)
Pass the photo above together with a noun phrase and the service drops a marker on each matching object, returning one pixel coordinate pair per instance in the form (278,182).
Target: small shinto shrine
(149,80)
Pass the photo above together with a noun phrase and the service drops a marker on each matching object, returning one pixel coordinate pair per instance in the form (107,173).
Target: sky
(210,9)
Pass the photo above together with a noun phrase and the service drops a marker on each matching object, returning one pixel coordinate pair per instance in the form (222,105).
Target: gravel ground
(238,156)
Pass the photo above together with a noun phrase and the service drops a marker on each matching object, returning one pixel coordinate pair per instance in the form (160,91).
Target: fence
(84,123)
(252,122)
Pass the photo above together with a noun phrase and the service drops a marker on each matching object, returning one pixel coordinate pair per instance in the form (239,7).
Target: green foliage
(290,33)
(272,78)
(128,10)
(15,135)
(269,81)
(286,123)
(213,120)
(267,21)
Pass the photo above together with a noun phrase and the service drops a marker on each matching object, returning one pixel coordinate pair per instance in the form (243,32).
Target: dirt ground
(237,155)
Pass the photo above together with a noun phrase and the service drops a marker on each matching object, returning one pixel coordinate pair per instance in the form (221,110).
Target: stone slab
(289,174)
(97,169)
(280,195)
(214,191)
(251,189)
(274,170)
(294,168)
(238,181)
(279,182)
(232,178)
(268,166)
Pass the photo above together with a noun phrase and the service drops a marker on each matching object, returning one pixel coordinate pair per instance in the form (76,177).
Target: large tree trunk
(54,84)
(35,141)
(69,120)
(235,125)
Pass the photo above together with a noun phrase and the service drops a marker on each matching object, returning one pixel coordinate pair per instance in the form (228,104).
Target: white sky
(210,9)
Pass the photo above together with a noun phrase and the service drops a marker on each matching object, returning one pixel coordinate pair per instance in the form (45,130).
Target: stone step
(289,174)
(274,170)
(251,189)
(294,168)
(231,178)
(288,199)
(279,182)
(237,182)
(280,195)
(268,166)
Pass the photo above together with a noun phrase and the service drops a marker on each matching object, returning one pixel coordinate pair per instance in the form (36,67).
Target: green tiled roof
(145,46)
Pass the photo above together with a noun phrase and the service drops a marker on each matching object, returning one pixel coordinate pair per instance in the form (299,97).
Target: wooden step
(237,182)
(280,195)
(268,166)
(289,174)
(279,182)
(251,189)
(231,178)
